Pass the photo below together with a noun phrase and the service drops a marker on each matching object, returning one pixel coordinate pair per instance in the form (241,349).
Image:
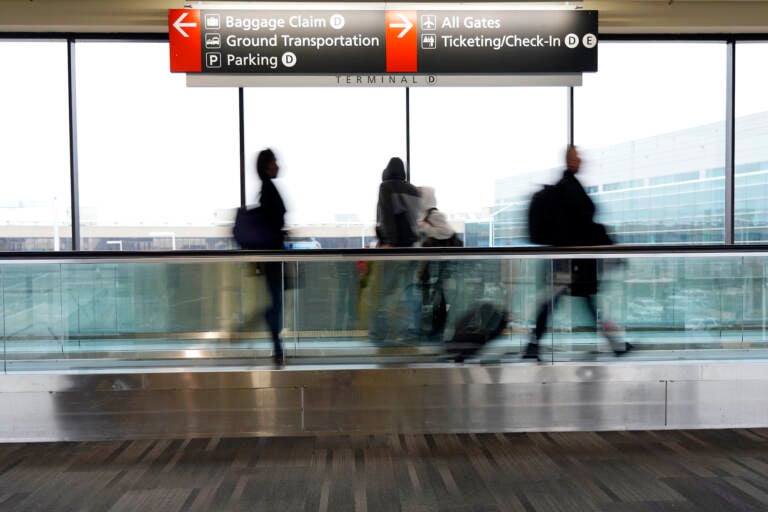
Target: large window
(34,136)
(485,150)
(159,162)
(651,126)
(751,145)
(331,145)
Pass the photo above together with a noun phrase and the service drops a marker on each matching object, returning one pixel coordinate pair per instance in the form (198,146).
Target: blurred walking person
(398,208)
(397,214)
(273,214)
(571,223)
(434,276)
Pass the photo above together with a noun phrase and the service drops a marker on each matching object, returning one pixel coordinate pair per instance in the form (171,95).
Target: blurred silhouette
(347,294)
(273,213)
(397,211)
(434,228)
(476,328)
(435,231)
(570,222)
(397,214)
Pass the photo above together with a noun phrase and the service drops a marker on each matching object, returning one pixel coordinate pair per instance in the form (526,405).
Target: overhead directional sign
(257,41)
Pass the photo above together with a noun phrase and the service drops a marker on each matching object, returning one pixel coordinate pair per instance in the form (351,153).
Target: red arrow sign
(184,40)
(401,42)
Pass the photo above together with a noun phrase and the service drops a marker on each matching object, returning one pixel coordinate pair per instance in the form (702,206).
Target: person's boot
(627,348)
(278,357)
(531,351)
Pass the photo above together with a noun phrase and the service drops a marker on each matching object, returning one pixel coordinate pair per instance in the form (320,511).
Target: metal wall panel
(95,415)
(369,399)
(718,404)
(486,407)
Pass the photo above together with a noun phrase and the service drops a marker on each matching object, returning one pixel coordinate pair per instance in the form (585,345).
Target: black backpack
(543,221)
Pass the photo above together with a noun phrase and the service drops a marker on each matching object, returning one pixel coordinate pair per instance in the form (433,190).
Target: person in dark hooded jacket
(398,208)
(390,301)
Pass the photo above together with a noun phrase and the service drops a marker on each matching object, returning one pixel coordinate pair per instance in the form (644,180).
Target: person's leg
(376,300)
(385,323)
(346,301)
(545,310)
(407,317)
(274,313)
(619,347)
(440,317)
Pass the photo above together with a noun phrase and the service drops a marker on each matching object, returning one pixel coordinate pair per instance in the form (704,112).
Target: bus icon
(212,41)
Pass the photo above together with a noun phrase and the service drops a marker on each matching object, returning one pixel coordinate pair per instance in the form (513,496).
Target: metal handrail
(416,253)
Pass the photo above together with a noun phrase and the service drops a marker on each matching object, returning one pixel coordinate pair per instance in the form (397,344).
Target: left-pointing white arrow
(405,25)
(178,24)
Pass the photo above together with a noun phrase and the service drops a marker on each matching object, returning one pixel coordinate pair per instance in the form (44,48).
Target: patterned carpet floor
(716,470)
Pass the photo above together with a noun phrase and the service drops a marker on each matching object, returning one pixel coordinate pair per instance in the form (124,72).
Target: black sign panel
(257,41)
(507,41)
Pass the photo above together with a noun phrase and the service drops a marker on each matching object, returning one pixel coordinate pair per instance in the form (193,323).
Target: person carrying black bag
(262,228)
(574,215)
(273,212)
(435,231)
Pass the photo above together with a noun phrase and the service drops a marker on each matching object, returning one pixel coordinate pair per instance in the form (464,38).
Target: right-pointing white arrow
(406,25)
(178,24)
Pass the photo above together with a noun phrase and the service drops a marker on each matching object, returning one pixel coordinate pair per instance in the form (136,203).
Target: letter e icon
(589,40)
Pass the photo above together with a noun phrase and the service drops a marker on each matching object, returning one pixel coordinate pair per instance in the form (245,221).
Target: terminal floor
(704,470)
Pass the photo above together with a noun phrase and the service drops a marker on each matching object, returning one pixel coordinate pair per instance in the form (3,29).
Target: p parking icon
(213,59)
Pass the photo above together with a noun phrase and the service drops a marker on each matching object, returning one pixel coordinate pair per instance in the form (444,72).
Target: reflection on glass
(751,145)
(669,307)
(158,161)
(34,162)
(651,126)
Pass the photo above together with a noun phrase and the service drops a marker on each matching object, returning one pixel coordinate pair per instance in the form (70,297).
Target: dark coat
(578,228)
(273,210)
(397,210)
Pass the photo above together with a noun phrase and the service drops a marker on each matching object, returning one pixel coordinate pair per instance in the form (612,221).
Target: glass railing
(101,312)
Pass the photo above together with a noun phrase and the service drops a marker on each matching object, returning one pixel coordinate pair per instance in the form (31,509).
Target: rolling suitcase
(480,325)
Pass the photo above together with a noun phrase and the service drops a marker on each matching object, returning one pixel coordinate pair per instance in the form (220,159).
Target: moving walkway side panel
(436,398)
(489,399)
(157,414)
(487,407)
(308,400)
(724,394)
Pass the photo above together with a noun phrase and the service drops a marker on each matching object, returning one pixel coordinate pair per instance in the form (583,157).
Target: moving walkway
(101,346)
